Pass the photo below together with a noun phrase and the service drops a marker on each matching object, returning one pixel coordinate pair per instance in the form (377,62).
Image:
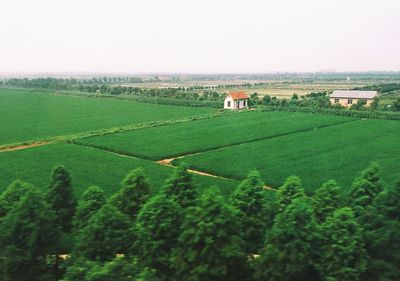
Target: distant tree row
(182,234)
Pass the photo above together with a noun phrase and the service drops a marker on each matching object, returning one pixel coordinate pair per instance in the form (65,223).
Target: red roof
(238,95)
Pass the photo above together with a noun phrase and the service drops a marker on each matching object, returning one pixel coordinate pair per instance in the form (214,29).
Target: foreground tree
(12,195)
(181,188)
(157,229)
(290,249)
(342,253)
(210,246)
(107,234)
(289,191)
(133,195)
(382,236)
(250,198)
(61,198)
(92,201)
(26,237)
(327,199)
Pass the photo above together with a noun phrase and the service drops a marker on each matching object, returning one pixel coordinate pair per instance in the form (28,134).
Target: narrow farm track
(24,146)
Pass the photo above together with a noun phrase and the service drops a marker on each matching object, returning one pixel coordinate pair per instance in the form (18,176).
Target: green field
(178,139)
(337,152)
(27,115)
(87,167)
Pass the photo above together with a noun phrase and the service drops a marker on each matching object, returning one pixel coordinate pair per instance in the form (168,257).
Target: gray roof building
(354,94)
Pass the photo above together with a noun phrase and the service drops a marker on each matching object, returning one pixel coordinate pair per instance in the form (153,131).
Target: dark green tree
(26,237)
(180,187)
(133,195)
(92,200)
(289,191)
(364,190)
(106,234)
(12,195)
(255,212)
(396,105)
(210,246)
(382,236)
(290,250)
(61,198)
(327,199)
(342,254)
(157,229)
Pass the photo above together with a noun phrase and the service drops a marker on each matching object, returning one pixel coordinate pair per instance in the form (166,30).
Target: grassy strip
(385,115)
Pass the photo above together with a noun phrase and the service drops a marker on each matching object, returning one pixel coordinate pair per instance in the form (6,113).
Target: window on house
(349,101)
(336,100)
(244,103)
(229,103)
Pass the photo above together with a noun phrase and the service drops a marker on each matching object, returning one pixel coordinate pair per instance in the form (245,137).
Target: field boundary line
(101,132)
(155,162)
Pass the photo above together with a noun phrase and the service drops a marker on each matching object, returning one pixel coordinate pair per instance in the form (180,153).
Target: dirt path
(23,146)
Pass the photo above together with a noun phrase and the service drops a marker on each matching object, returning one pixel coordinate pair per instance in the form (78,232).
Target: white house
(236,100)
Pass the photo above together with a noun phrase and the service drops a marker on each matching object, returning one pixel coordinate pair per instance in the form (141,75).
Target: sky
(199,36)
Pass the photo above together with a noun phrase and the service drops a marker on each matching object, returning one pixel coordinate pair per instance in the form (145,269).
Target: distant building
(347,98)
(236,100)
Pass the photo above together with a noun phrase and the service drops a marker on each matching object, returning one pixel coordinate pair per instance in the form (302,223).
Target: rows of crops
(336,152)
(26,116)
(190,137)
(88,167)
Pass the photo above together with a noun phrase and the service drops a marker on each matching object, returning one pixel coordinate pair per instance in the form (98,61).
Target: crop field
(27,116)
(87,167)
(337,152)
(190,137)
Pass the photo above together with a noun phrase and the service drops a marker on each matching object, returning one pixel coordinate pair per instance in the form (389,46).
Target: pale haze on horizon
(206,36)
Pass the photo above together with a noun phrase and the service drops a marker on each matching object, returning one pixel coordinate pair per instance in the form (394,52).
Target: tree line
(180,233)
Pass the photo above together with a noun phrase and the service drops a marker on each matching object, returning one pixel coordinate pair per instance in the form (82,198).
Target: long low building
(347,98)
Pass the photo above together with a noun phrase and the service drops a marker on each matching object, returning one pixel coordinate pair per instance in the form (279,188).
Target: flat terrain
(27,116)
(87,167)
(337,152)
(190,137)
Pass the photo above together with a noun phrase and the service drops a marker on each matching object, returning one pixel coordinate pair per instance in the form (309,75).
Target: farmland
(336,152)
(190,137)
(27,116)
(87,167)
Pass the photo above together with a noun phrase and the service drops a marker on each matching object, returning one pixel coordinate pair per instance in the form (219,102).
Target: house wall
(344,101)
(235,104)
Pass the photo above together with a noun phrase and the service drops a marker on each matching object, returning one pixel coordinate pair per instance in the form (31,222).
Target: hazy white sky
(199,36)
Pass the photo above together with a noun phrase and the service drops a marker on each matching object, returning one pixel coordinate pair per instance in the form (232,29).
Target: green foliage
(12,195)
(157,229)
(289,191)
(382,236)
(180,187)
(364,190)
(290,250)
(210,246)
(61,198)
(92,200)
(108,233)
(134,193)
(396,105)
(342,252)
(255,212)
(327,199)
(27,235)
